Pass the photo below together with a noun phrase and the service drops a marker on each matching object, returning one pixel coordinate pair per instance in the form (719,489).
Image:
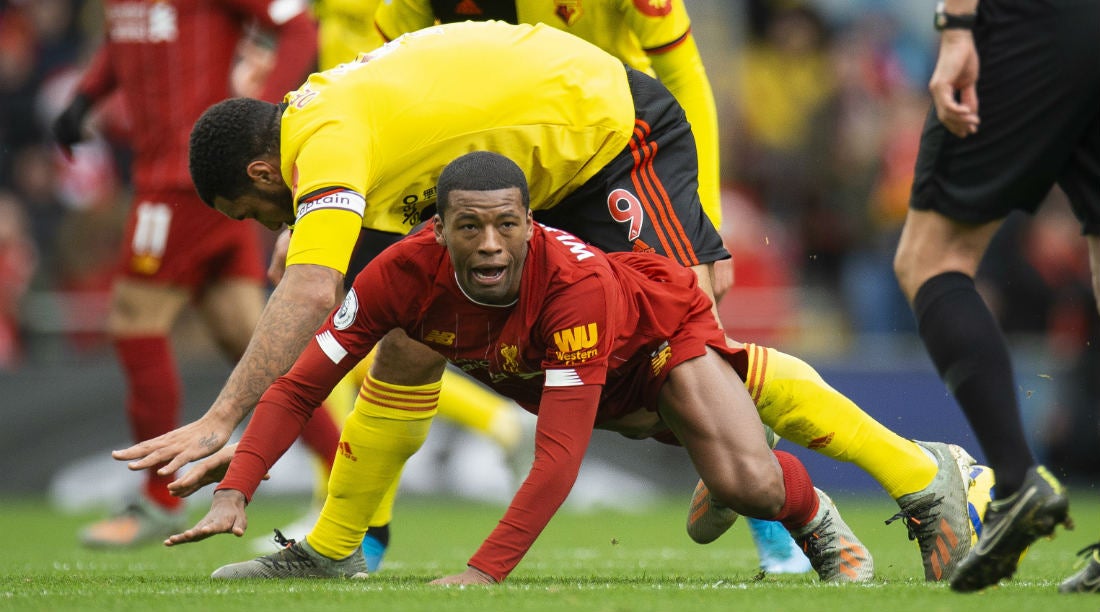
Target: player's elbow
(314,288)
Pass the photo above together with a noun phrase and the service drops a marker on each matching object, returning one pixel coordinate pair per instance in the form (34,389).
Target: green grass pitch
(592,561)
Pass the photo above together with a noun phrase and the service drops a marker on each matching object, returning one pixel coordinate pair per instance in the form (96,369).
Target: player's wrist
(482,575)
(946,21)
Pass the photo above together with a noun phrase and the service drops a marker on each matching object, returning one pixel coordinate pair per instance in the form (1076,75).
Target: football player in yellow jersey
(609,157)
(653,36)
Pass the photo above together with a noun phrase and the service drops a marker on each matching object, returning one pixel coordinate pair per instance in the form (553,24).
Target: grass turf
(600,561)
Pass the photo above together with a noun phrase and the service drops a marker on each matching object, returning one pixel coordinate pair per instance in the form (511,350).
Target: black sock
(382,533)
(969,352)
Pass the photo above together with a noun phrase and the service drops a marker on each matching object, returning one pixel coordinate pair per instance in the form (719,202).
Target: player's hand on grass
(176,448)
(472,575)
(226,515)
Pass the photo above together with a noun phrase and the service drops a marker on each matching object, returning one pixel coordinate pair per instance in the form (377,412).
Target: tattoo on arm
(285,327)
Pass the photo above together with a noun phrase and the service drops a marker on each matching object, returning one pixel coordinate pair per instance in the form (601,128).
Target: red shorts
(172,237)
(637,384)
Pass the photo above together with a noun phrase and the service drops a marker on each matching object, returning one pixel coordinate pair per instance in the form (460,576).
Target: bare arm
(296,309)
(954,82)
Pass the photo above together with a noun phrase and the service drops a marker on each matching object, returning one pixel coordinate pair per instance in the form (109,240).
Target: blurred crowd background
(820,107)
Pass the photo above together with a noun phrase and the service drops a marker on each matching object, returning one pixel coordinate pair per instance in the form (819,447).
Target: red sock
(801,504)
(322,435)
(153,400)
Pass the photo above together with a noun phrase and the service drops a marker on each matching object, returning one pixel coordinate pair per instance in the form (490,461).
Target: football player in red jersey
(625,342)
(171,60)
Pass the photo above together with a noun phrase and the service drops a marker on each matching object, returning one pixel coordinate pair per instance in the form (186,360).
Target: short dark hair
(226,138)
(479,171)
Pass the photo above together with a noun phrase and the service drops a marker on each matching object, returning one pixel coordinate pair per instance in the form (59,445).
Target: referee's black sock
(969,352)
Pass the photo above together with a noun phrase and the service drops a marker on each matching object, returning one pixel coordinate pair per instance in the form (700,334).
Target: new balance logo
(345,450)
(659,358)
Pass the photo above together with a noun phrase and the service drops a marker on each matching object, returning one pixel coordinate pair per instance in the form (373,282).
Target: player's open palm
(226,515)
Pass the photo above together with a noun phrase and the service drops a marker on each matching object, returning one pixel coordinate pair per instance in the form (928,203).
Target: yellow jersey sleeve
(681,70)
(344,30)
(663,29)
(397,17)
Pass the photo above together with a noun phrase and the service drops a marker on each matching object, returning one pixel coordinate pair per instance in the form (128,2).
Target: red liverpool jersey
(591,338)
(172,60)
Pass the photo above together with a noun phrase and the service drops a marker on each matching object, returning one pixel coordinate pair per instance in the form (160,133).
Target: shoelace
(815,545)
(282,540)
(916,527)
(1089,550)
(289,554)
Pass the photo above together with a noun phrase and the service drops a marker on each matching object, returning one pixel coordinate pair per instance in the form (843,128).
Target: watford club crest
(568,10)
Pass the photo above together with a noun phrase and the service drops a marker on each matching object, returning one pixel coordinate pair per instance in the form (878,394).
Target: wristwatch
(948,21)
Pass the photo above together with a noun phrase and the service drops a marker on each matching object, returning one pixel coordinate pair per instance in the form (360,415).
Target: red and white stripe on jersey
(563,378)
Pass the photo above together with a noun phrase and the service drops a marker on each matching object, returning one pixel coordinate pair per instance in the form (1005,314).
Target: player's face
(271,208)
(486,234)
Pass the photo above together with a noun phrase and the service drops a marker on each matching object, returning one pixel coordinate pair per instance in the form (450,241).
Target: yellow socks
(388,425)
(339,405)
(800,406)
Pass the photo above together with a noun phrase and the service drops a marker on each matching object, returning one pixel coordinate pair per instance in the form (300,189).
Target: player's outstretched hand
(226,515)
(209,470)
(472,575)
(176,448)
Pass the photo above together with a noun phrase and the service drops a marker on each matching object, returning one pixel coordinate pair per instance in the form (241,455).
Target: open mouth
(488,274)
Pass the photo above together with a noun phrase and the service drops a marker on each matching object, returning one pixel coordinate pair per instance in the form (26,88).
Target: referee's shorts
(1039,102)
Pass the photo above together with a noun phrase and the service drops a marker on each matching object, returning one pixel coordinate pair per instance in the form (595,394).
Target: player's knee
(902,265)
(755,489)
(401,360)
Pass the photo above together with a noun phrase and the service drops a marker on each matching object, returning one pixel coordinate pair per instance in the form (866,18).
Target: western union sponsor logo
(576,356)
(577,339)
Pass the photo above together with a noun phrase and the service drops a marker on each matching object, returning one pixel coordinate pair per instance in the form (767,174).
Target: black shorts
(647,198)
(1039,103)
(370,244)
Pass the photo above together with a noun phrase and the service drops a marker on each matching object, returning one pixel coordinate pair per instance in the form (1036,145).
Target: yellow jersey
(343,30)
(626,29)
(362,144)
(653,36)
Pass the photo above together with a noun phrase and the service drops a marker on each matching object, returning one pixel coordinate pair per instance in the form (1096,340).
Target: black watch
(947,21)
